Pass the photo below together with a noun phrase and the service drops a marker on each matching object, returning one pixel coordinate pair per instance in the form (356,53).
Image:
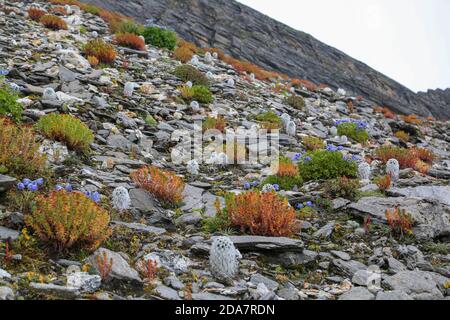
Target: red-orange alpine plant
(130,40)
(36,14)
(164,185)
(260,213)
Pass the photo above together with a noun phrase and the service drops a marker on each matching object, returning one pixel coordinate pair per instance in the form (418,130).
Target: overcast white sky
(407,40)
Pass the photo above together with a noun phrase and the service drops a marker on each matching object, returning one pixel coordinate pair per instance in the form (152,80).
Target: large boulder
(419,285)
(438,193)
(431,217)
(121,270)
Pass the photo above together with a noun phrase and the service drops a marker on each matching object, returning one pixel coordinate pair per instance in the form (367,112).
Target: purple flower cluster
(67,187)
(249,185)
(352,158)
(94,196)
(30,185)
(333,148)
(360,124)
(300,206)
(296,157)
(4,72)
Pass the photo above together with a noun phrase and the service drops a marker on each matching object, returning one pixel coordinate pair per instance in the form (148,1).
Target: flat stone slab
(272,246)
(52,289)
(120,270)
(202,296)
(419,285)
(6,182)
(438,193)
(143,201)
(430,216)
(256,243)
(6,233)
(357,294)
(167,293)
(139,227)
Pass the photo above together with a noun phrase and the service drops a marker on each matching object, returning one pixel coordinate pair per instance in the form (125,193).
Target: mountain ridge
(248,34)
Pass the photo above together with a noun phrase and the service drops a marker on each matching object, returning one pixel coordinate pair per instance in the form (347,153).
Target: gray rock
(6,293)
(339,203)
(213,285)
(139,227)
(68,263)
(119,141)
(292,259)
(193,199)
(4,274)
(143,201)
(438,193)
(206,296)
(6,234)
(169,260)
(417,284)
(191,218)
(325,231)
(174,282)
(395,265)
(121,270)
(84,282)
(393,295)
(431,217)
(341,255)
(66,75)
(52,289)
(288,294)
(370,278)
(6,183)
(167,293)
(269,283)
(357,293)
(274,244)
(349,268)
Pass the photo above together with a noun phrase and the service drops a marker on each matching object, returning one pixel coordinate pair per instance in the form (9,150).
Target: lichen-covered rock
(224,259)
(6,293)
(84,281)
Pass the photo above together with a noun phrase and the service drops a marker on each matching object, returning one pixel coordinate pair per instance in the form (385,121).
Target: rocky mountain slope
(341,245)
(249,35)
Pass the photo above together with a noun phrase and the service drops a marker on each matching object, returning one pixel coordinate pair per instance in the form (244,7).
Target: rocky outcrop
(247,34)
(438,101)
